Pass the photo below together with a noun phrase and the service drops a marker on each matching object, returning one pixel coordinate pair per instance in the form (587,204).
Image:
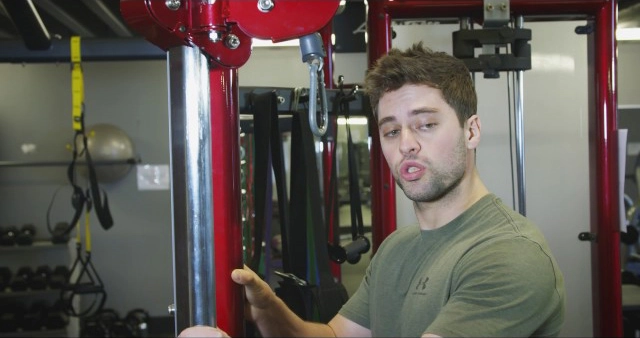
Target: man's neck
(433,215)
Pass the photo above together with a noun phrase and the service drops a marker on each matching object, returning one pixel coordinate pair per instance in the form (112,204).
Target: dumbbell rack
(39,253)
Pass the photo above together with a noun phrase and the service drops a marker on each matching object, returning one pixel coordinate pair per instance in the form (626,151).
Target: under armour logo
(422,283)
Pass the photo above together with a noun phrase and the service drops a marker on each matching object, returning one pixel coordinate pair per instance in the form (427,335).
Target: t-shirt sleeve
(506,288)
(356,308)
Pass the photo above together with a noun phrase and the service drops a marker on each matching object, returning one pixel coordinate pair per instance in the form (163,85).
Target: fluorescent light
(361,121)
(269,43)
(625,34)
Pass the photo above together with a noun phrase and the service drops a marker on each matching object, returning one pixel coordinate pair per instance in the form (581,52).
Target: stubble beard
(441,182)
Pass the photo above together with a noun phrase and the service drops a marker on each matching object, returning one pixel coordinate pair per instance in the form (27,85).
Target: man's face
(423,142)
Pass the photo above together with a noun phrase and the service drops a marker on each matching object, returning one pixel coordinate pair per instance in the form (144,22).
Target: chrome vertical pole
(519,133)
(467,23)
(192,196)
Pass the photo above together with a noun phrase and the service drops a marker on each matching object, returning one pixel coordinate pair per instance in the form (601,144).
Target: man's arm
(274,319)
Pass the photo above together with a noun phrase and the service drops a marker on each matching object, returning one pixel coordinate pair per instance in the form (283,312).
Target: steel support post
(192,200)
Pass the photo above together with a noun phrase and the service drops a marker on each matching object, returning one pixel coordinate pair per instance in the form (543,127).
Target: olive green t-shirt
(487,273)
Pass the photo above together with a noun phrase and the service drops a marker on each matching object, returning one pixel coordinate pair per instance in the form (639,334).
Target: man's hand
(202,331)
(258,293)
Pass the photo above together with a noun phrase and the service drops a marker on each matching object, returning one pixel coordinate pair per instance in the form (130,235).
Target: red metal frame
(194,21)
(607,298)
(227,218)
(192,24)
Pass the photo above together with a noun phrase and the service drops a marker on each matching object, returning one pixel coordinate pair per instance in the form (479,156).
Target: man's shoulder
(400,237)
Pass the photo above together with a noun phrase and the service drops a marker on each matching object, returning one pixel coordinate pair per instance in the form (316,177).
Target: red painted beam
(383,196)
(607,292)
(227,220)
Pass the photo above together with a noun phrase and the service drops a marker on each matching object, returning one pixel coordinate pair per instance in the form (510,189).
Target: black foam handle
(350,252)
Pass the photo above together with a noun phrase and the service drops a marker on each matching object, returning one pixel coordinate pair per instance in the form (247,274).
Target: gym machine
(604,236)
(206,42)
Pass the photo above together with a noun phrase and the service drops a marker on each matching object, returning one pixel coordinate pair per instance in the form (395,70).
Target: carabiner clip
(313,54)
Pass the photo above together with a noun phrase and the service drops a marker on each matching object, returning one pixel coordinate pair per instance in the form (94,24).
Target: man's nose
(408,142)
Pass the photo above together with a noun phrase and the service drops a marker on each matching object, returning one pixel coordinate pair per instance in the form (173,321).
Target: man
(471,266)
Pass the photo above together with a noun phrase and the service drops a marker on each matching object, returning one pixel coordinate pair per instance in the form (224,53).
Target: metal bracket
(465,41)
(497,13)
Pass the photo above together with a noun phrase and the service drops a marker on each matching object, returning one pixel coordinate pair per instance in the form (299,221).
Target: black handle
(351,252)
(587,236)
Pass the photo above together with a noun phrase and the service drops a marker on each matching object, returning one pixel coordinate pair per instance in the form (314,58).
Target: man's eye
(391,133)
(429,125)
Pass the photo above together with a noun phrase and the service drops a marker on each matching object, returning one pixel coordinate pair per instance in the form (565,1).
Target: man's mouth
(411,171)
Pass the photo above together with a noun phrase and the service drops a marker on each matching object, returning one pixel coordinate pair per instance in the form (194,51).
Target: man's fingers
(257,291)
(202,331)
(243,276)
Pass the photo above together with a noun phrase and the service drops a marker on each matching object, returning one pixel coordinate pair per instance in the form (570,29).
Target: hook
(313,54)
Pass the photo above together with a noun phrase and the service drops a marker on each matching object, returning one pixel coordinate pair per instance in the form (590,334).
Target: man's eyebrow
(417,111)
(386,120)
(423,110)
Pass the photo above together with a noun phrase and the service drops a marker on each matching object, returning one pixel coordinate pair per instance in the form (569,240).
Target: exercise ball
(107,144)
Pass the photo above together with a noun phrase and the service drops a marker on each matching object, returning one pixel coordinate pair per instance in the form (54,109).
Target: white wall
(629,73)
(133,258)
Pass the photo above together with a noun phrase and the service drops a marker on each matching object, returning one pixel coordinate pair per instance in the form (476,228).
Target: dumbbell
(21,280)
(100,324)
(34,318)
(137,320)
(59,277)
(11,314)
(59,236)
(40,279)
(5,277)
(26,234)
(56,317)
(119,328)
(8,236)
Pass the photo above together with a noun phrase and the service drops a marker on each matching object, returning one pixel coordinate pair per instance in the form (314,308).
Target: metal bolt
(215,36)
(232,41)
(172,4)
(503,6)
(172,309)
(489,7)
(265,5)
(182,28)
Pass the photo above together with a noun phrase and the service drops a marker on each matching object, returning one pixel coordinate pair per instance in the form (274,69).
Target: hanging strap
(307,206)
(77,85)
(77,111)
(359,242)
(262,175)
(83,279)
(280,173)
(268,141)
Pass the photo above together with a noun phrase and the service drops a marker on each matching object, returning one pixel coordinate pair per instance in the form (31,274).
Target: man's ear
(472,131)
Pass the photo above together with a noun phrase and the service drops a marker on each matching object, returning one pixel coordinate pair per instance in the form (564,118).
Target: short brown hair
(420,65)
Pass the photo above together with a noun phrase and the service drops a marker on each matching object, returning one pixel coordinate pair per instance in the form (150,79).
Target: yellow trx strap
(77,84)
(87,232)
